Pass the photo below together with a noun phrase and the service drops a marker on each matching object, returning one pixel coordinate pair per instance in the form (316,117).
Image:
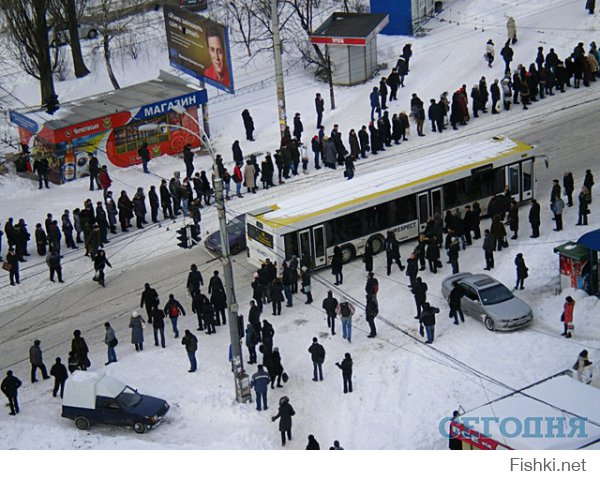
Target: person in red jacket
(567,316)
(105,180)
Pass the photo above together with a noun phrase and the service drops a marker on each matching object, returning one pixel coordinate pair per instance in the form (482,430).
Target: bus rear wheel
(377,242)
(348,253)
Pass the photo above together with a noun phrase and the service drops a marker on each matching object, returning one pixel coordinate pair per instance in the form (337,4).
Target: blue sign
(194,99)
(24,121)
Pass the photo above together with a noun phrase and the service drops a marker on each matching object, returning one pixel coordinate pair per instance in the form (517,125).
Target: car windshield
(236,227)
(495,294)
(129,397)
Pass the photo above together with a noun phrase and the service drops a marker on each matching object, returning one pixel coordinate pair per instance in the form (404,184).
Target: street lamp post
(242,382)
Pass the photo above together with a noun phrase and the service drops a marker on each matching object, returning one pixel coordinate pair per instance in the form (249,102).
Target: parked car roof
(82,388)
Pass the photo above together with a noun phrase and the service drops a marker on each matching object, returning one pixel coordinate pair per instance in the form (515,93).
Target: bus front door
(424,209)
(527,179)
(513,181)
(319,250)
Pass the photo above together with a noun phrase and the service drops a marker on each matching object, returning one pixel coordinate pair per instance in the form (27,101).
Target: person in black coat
(392,252)
(208,315)
(569,186)
(60,374)
(275,368)
(393,81)
(218,298)
(100,263)
(368,256)
(534,218)
(319,107)
(419,290)
(276,294)
(165,200)
(412,268)
(54,266)
(158,325)
(285,414)
(312,443)
(363,138)
(583,207)
(432,254)
(10,386)
(298,127)
(317,355)
(144,154)
(188,160)
(194,280)
(428,320)
(41,166)
(522,271)
(154,204)
(436,115)
(248,125)
(330,304)
(374,134)
(13,260)
(337,263)
(453,442)
(371,312)
(454,302)
(41,240)
(588,182)
(149,300)
(346,367)
(80,349)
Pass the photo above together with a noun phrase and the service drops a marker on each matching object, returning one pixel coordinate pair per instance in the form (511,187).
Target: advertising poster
(199,47)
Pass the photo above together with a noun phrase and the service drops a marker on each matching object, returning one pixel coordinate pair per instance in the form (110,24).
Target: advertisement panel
(199,47)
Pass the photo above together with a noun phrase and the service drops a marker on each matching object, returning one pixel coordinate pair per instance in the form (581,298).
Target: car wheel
(489,324)
(93,33)
(82,423)
(377,242)
(347,253)
(139,427)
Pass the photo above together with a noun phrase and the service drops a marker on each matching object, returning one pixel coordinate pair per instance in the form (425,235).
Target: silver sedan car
(488,300)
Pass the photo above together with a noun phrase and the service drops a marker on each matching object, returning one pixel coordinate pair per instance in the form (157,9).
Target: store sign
(259,235)
(193,99)
(23,121)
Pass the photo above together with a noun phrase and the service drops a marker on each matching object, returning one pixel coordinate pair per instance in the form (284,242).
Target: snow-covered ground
(402,387)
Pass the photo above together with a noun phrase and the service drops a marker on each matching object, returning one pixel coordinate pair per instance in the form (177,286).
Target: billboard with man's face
(199,47)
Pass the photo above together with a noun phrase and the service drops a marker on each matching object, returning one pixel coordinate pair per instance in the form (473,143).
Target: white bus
(400,198)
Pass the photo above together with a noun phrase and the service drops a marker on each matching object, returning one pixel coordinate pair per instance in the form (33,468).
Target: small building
(556,413)
(106,125)
(578,263)
(350,41)
(406,16)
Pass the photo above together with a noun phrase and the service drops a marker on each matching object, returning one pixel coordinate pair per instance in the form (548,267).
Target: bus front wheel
(348,253)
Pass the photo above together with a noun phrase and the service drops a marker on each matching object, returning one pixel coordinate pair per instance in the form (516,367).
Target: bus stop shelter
(578,263)
(350,41)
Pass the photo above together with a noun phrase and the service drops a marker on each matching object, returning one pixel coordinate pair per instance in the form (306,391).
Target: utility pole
(278,67)
(205,123)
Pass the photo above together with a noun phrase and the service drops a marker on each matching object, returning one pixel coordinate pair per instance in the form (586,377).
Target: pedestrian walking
(513,219)
(158,326)
(110,340)
(489,52)
(248,125)
(80,350)
(285,414)
(368,256)
(60,374)
(588,182)
(567,317)
(569,187)
(10,387)
(136,323)
(346,310)
(522,271)
(419,290)
(317,355)
(346,367)
(54,266)
(392,252)
(455,303)
(406,55)
(173,309)
(375,105)
(260,382)
(330,305)
(337,263)
(93,170)
(100,263)
(12,263)
(511,30)
(252,339)
(149,300)
(428,320)
(35,358)
(371,312)
(453,250)
(190,342)
(194,280)
(275,367)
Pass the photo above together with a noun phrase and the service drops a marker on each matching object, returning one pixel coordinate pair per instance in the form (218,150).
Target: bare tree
(66,12)
(28,34)
(114,18)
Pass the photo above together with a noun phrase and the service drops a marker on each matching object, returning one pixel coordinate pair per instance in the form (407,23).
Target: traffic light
(51,104)
(182,237)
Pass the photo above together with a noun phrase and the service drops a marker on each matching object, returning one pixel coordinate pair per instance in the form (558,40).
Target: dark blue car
(90,398)
(236,230)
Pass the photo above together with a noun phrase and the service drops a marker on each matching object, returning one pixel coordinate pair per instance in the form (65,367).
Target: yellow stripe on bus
(520,147)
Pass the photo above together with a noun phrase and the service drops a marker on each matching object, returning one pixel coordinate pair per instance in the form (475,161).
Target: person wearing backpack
(173,309)
(317,355)
(345,309)
(330,305)
(190,342)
